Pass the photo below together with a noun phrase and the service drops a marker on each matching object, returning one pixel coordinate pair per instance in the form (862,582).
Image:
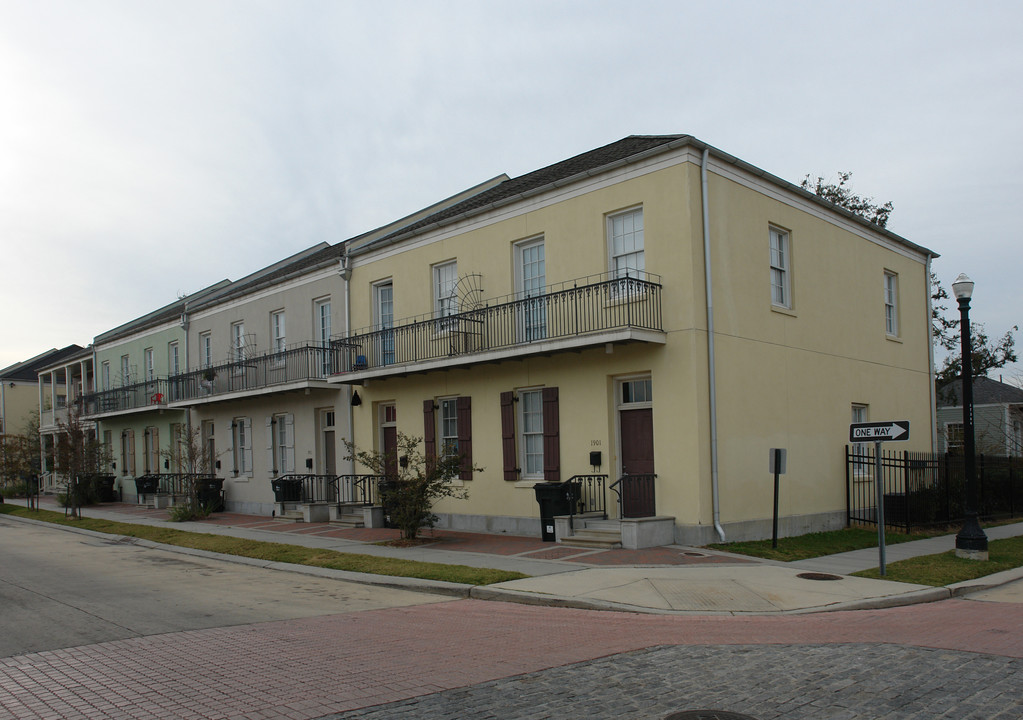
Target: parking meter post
(879,485)
(777,472)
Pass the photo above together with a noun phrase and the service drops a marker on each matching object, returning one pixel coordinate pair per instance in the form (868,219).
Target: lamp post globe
(971,542)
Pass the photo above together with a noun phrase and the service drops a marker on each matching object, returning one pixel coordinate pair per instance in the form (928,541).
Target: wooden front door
(390,433)
(637,448)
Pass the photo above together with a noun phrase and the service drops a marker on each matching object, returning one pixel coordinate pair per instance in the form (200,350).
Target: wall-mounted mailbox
(595,458)
(309,463)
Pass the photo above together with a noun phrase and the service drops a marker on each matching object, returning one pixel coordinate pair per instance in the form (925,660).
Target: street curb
(487,593)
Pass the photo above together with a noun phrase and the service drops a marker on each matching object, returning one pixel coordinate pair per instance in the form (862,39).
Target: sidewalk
(671,579)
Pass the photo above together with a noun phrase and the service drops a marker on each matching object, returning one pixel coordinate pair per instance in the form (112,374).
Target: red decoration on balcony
(156,399)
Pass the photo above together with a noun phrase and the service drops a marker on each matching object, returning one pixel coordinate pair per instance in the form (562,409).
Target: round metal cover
(818,576)
(693,553)
(708,715)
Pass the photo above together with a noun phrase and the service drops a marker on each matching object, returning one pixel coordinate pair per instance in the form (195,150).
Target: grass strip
(945,568)
(818,544)
(277,552)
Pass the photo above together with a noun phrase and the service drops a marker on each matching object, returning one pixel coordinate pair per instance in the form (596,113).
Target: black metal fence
(296,364)
(926,489)
(340,489)
(588,305)
(150,393)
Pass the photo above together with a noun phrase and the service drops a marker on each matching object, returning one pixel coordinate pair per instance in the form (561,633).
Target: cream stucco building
(571,323)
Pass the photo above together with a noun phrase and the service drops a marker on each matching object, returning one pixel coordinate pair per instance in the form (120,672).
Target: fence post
(905,488)
(848,489)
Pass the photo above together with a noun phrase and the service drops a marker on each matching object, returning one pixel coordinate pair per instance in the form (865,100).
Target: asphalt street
(60,589)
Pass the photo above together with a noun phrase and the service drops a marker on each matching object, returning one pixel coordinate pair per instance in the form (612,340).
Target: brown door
(637,429)
(329,453)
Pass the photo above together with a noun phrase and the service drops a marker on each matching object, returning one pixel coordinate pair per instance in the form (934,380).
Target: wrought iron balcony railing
(295,365)
(588,306)
(148,394)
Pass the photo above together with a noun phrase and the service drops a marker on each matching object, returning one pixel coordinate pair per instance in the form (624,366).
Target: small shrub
(190,511)
(14,489)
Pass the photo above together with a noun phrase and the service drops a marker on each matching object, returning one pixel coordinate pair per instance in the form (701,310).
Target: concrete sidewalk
(672,579)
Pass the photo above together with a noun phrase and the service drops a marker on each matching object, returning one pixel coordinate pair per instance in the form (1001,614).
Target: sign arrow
(894,430)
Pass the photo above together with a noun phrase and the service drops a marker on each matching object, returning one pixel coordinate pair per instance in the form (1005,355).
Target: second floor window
(891,306)
(125,371)
(625,237)
(150,368)
(445,277)
(277,331)
(781,295)
(206,350)
(237,342)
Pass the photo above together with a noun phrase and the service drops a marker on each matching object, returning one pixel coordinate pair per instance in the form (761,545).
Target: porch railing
(588,494)
(340,489)
(926,489)
(636,497)
(358,489)
(149,394)
(589,305)
(296,364)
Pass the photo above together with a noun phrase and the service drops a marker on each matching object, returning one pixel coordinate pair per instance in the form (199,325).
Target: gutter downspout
(715,495)
(185,324)
(345,271)
(930,358)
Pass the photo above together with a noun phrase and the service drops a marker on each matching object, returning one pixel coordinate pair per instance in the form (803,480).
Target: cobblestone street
(468,658)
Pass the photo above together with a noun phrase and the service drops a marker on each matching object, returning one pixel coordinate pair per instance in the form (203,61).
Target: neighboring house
(140,433)
(19,389)
(560,324)
(62,386)
(256,377)
(997,417)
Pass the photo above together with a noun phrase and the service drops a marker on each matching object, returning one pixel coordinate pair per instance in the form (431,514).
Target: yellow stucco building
(570,323)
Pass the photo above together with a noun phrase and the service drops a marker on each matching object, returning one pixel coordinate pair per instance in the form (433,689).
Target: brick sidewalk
(308,668)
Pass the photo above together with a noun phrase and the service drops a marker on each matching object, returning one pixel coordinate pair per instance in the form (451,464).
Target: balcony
(300,367)
(137,397)
(581,313)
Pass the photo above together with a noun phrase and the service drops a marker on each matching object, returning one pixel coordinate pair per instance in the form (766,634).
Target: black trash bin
(32,485)
(147,485)
(554,499)
(287,489)
(211,493)
(103,488)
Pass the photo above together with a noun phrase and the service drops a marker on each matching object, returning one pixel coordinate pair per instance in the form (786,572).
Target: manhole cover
(708,715)
(694,554)
(818,576)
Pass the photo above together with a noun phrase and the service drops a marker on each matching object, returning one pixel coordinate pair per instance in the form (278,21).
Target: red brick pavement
(493,544)
(312,667)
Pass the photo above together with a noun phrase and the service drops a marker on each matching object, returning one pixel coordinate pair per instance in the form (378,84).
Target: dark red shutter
(551,436)
(464,408)
(511,472)
(429,431)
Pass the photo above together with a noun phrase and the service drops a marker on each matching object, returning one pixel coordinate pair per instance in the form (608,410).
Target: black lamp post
(971,542)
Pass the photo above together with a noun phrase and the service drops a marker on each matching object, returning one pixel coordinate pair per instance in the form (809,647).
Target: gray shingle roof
(985,392)
(29,369)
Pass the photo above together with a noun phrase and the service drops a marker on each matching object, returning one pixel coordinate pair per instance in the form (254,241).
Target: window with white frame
(241,428)
(322,325)
(281,443)
(636,391)
(277,334)
(531,433)
(151,446)
(781,293)
(238,342)
(173,358)
(445,277)
(954,438)
(206,349)
(531,281)
(384,309)
(150,368)
(891,303)
(625,238)
(105,374)
(125,371)
(448,427)
(860,451)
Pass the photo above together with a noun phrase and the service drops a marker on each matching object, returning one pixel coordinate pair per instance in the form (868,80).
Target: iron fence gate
(926,489)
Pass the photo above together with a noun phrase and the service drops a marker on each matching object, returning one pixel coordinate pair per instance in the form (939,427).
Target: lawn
(278,552)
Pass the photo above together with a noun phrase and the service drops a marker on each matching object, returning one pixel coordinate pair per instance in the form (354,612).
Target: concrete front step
(349,521)
(294,516)
(594,538)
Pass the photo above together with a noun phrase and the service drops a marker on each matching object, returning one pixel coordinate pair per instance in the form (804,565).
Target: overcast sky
(148,149)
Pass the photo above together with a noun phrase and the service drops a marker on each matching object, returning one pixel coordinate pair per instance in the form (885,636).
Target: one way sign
(895,430)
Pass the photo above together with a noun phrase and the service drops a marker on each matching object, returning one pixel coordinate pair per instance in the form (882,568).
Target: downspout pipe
(711,379)
(930,358)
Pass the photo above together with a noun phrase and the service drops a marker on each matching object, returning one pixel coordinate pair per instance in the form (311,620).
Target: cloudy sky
(148,149)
